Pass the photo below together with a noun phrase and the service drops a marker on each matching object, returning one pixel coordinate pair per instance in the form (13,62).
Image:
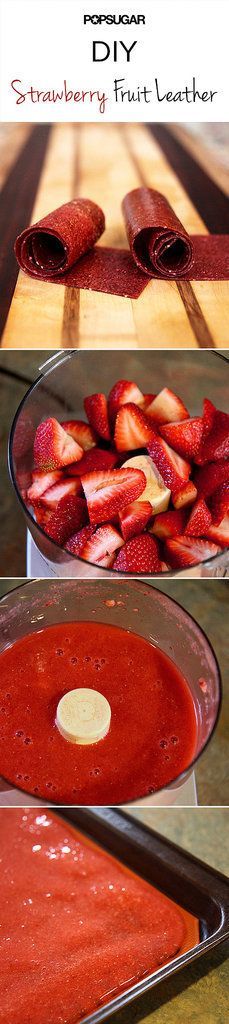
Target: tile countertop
(200,992)
(207,601)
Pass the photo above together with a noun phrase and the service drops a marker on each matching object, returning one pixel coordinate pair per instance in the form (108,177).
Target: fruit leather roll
(157,239)
(53,245)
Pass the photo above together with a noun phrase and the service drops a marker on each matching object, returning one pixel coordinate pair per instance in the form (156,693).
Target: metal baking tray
(188,881)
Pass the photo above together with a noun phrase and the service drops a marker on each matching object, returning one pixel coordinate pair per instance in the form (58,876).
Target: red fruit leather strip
(157,239)
(53,245)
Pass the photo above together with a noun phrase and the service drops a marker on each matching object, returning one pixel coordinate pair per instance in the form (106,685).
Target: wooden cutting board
(103,162)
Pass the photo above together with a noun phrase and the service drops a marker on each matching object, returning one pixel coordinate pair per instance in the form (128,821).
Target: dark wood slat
(16,204)
(207,197)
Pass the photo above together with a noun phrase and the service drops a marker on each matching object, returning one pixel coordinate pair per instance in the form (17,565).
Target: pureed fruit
(153,732)
(77,926)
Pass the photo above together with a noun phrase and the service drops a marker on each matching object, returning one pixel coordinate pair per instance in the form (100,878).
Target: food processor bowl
(65,380)
(139,608)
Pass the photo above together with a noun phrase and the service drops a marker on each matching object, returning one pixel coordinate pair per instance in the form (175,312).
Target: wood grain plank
(203,154)
(12,139)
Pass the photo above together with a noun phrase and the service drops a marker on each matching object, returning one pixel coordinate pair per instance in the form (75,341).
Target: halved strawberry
(95,459)
(183,552)
(134,518)
(41,482)
(97,414)
(108,492)
(123,392)
(168,524)
(220,534)
(54,448)
(81,432)
(68,516)
(184,436)
(147,401)
(219,503)
(167,407)
(140,554)
(184,495)
(216,444)
(199,519)
(102,543)
(77,542)
(209,478)
(53,495)
(132,428)
(174,470)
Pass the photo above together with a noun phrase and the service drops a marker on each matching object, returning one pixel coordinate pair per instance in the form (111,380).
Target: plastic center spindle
(83,716)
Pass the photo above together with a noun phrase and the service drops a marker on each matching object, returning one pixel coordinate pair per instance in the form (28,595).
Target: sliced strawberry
(220,534)
(184,551)
(97,414)
(95,459)
(54,448)
(41,482)
(81,432)
(134,518)
(69,515)
(174,470)
(107,562)
(167,408)
(168,524)
(51,497)
(184,436)
(77,542)
(123,392)
(148,399)
(219,503)
(108,492)
(184,495)
(209,478)
(165,567)
(199,519)
(102,543)
(132,428)
(208,416)
(216,444)
(138,555)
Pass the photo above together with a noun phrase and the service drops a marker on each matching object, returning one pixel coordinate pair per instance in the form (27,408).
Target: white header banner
(153,60)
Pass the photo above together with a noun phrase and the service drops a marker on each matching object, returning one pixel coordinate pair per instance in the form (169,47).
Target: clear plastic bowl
(59,391)
(143,610)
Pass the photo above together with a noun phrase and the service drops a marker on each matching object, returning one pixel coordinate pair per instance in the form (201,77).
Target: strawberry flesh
(132,428)
(102,543)
(106,493)
(220,534)
(97,414)
(168,524)
(167,407)
(183,551)
(53,448)
(68,516)
(210,477)
(174,470)
(219,503)
(123,392)
(77,542)
(199,519)
(95,459)
(134,518)
(41,482)
(81,432)
(184,495)
(140,554)
(184,437)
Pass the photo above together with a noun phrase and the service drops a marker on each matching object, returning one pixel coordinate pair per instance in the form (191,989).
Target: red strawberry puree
(153,730)
(77,926)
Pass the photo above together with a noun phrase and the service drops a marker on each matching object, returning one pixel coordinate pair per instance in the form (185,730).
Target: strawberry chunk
(53,447)
(134,518)
(184,436)
(81,432)
(65,519)
(168,524)
(132,428)
(102,544)
(140,554)
(216,444)
(95,459)
(77,542)
(199,519)
(167,407)
(108,492)
(219,503)
(183,552)
(184,495)
(41,482)
(209,478)
(97,414)
(148,399)
(220,534)
(208,416)
(174,470)
(123,392)
(53,495)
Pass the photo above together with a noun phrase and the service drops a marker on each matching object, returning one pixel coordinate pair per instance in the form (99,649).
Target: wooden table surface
(44,166)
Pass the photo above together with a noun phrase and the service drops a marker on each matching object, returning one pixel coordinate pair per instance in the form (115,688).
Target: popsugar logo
(114,19)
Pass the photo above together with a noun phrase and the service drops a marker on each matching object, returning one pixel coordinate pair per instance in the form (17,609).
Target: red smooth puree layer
(77,926)
(153,731)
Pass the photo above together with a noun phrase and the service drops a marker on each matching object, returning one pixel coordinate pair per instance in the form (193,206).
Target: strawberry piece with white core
(168,524)
(132,428)
(106,493)
(220,534)
(185,436)
(173,468)
(134,518)
(167,407)
(102,543)
(184,495)
(53,495)
(155,490)
(123,392)
(53,447)
(95,459)
(97,414)
(81,432)
(184,552)
(41,482)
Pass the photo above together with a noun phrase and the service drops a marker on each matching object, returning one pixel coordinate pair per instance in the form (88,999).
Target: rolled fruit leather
(53,245)
(157,239)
